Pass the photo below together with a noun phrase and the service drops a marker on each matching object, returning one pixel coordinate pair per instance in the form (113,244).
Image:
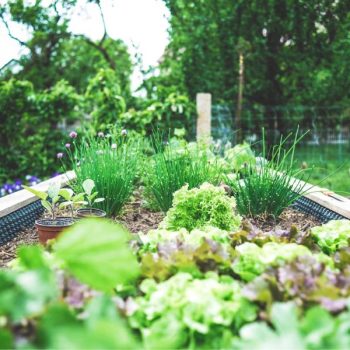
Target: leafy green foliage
(332,236)
(199,207)
(29,134)
(287,39)
(32,293)
(274,185)
(50,199)
(317,329)
(103,96)
(171,169)
(112,163)
(97,262)
(181,303)
(306,280)
(253,260)
(240,157)
(174,111)
(26,293)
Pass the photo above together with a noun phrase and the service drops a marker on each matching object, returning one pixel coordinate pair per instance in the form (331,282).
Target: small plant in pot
(89,201)
(50,228)
(72,201)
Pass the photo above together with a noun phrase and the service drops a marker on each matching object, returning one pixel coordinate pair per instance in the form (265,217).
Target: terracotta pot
(90,213)
(51,228)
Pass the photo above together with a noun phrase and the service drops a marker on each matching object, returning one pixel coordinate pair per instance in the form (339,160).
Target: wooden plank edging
(20,199)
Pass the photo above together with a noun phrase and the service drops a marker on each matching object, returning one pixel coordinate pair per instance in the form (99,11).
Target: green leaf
(65,204)
(54,190)
(6,339)
(66,193)
(79,197)
(46,205)
(99,200)
(42,195)
(88,186)
(96,253)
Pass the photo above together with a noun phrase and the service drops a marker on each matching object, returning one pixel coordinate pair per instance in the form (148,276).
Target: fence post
(203,101)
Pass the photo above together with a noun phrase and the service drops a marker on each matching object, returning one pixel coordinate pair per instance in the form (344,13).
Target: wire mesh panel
(12,224)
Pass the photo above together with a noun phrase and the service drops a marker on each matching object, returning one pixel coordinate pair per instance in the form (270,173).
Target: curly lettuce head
(253,260)
(332,236)
(199,306)
(200,207)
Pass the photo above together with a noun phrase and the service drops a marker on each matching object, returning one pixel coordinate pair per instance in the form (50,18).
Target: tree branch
(22,43)
(105,34)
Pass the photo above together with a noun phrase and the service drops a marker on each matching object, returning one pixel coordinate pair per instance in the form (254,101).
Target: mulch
(136,218)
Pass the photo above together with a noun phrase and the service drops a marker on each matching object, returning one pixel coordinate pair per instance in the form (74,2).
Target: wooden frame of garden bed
(20,209)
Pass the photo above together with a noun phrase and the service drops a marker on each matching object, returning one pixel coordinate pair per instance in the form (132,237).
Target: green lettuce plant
(31,299)
(204,206)
(194,238)
(184,311)
(332,236)
(240,157)
(253,260)
(316,329)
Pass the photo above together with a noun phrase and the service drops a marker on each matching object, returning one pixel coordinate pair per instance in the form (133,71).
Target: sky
(141,24)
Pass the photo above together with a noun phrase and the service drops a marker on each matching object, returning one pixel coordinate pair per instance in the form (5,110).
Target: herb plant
(111,163)
(268,189)
(171,168)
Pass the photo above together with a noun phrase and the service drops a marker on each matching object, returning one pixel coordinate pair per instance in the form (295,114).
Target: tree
(53,52)
(297,47)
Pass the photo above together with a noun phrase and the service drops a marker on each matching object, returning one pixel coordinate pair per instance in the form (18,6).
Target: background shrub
(29,133)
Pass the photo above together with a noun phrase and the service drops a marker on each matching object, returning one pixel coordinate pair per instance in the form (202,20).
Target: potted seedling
(89,201)
(72,201)
(49,228)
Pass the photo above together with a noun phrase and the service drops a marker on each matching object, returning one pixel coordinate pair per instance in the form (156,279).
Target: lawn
(330,163)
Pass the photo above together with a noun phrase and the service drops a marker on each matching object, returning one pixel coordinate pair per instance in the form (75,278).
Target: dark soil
(288,218)
(138,218)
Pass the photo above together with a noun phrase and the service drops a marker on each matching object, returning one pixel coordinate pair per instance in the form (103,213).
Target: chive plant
(172,167)
(112,163)
(267,189)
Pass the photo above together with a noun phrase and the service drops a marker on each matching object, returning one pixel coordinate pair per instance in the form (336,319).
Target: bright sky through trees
(141,24)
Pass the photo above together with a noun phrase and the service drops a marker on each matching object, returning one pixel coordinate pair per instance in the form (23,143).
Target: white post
(203,101)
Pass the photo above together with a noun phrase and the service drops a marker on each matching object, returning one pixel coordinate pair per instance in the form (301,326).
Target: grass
(112,163)
(331,165)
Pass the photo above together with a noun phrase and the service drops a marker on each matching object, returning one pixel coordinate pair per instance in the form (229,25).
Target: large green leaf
(42,195)
(88,186)
(95,251)
(54,189)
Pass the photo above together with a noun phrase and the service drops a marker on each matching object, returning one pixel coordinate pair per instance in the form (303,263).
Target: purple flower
(100,134)
(73,134)
(124,132)
(67,145)
(59,155)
